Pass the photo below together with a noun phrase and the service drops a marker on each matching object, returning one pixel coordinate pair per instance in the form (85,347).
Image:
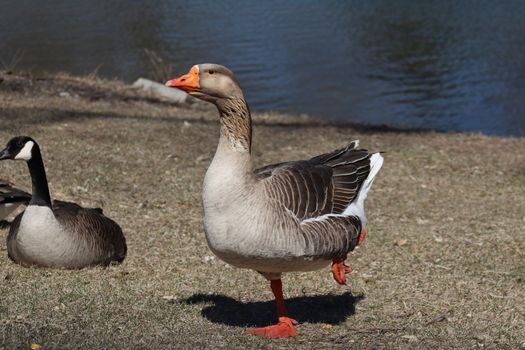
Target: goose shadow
(330,308)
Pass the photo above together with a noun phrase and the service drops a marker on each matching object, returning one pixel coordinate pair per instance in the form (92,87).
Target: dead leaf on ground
(401,242)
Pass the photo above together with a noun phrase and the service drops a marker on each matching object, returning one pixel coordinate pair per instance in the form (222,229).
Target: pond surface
(448,65)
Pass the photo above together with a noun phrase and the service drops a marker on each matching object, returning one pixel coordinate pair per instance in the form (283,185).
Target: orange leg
(285,327)
(361,237)
(339,270)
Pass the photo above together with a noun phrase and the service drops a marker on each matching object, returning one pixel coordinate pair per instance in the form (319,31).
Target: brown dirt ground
(442,267)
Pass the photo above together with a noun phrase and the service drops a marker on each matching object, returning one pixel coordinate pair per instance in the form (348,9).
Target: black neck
(40,194)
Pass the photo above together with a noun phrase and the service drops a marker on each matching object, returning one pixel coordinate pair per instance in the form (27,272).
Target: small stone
(170,298)
(208,258)
(421,221)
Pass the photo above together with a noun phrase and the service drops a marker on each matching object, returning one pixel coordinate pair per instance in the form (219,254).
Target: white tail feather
(357,207)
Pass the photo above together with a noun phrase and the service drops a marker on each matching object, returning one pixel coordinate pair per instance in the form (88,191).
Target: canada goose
(292,216)
(11,198)
(61,234)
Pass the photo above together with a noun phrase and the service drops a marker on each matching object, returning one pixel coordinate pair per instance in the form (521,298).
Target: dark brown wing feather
(10,194)
(103,233)
(325,184)
(13,231)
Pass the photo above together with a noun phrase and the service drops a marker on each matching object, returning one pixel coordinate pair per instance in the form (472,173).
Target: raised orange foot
(339,270)
(284,329)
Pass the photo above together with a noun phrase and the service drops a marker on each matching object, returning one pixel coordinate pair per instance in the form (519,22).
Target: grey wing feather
(335,236)
(325,184)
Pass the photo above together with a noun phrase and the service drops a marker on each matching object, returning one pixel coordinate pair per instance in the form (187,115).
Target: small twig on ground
(439,318)
(378,330)
(497,296)
(497,272)
(436,319)
(438,266)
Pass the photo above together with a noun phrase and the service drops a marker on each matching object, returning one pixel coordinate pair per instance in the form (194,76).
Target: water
(447,65)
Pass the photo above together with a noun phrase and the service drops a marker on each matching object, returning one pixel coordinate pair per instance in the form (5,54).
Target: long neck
(40,195)
(236,124)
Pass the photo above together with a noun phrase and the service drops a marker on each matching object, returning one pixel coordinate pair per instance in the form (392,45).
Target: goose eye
(211,72)
(19,143)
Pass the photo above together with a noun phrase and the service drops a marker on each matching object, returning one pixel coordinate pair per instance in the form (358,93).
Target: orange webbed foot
(339,270)
(283,329)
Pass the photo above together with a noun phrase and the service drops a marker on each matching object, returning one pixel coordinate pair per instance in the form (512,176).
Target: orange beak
(188,82)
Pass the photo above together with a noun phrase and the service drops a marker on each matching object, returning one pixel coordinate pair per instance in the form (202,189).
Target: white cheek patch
(25,153)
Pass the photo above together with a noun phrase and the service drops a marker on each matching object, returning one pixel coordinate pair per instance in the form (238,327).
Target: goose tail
(357,207)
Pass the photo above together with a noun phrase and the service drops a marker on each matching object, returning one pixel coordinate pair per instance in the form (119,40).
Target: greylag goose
(11,198)
(58,234)
(293,216)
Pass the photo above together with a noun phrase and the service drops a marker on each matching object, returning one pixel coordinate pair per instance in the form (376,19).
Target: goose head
(209,82)
(19,148)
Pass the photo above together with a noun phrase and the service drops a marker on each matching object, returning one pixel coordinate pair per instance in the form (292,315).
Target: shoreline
(91,87)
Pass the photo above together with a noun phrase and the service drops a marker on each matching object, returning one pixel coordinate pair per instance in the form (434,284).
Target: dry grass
(443,265)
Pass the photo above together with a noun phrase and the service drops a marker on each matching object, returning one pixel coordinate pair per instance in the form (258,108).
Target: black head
(19,148)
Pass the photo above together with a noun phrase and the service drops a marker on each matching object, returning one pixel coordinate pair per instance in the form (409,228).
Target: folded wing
(325,184)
